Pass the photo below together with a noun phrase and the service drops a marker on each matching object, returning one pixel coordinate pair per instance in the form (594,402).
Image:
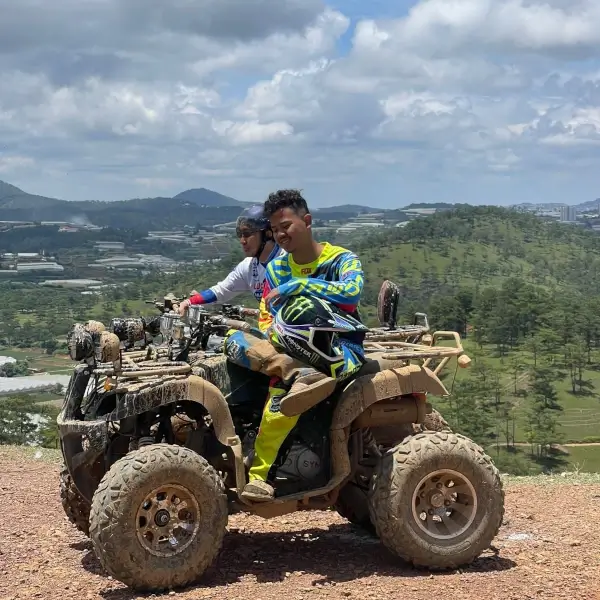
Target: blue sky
(381,103)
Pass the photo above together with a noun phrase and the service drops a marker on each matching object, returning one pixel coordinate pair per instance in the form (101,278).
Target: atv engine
(303,462)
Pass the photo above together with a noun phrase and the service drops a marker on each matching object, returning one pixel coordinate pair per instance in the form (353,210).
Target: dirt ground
(549,547)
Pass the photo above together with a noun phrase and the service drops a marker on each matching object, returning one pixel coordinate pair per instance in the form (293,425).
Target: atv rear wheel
(353,502)
(158,517)
(76,507)
(436,500)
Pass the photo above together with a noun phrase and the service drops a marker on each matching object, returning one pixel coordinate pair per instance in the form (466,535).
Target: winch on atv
(158,426)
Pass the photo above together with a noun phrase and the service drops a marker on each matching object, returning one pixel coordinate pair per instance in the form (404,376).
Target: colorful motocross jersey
(248,276)
(335,276)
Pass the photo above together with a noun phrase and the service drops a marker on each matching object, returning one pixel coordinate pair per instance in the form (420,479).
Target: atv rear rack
(425,352)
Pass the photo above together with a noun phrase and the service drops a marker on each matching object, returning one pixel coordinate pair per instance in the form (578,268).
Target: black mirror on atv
(387,304)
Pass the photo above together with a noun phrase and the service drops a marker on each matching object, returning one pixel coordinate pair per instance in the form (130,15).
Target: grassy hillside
(475,246)
(523,292)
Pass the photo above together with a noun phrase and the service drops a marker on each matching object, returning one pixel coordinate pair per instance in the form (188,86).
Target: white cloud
(252,132)
(435,26)
(253,95)
(8,164)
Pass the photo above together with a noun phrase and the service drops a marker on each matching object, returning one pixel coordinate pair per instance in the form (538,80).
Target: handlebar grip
(235,324)
(250,312)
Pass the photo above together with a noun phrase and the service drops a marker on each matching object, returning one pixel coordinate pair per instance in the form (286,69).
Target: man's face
(250,240)
(291,230)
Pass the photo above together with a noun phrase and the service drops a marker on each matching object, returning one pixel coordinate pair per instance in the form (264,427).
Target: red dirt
(307,555)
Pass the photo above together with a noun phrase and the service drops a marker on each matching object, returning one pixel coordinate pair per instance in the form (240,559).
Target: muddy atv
(159,449)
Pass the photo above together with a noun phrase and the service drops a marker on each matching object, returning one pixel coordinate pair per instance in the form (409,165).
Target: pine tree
(541,427)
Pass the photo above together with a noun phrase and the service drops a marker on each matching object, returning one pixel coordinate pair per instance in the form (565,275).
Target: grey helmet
(255,220)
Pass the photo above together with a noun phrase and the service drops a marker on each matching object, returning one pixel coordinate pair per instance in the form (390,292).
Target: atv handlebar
(238,312)
(232,323)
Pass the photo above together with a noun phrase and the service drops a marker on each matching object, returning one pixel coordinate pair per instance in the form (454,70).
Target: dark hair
(285,199)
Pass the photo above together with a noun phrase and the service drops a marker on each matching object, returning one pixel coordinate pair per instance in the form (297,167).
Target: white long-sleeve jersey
(247,276)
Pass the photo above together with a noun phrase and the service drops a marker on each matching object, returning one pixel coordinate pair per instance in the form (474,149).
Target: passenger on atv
(309,312)
(254,232)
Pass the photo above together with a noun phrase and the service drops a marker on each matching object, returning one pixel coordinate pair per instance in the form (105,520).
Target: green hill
(524,293)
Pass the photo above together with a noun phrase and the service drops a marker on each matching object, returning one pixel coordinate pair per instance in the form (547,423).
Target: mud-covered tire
(74,504)
(114,525)
(396,479)
(353,501)
(353,504)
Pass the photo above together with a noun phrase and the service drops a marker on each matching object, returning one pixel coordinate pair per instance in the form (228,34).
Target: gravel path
(549,548)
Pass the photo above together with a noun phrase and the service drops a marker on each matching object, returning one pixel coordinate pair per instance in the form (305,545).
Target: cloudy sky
(383,102)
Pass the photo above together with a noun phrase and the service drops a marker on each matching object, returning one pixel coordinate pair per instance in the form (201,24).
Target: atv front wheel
(76,507)
(436,500)
(158,518)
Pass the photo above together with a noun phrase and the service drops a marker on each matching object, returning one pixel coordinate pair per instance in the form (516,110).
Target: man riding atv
(309,311)
(157,451)
(254,232)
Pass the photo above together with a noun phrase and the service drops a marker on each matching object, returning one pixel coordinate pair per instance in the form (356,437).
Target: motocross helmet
(314,331)
(254,219)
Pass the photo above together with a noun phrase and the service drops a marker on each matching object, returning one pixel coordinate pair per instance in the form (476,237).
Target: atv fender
(140,398)
(209,395)
(412,381)
(146,396)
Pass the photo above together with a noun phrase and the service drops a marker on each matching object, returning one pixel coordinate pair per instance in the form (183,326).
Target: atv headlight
(152,326)
(84,344)
(108,347)
(128,330)
(80,343)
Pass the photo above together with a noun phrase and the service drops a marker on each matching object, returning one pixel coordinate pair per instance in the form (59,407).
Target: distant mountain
(14,198)
(347,208)
(438,205)
(197,206)
(589,205)
(194,206)
(204,197)
(540,205)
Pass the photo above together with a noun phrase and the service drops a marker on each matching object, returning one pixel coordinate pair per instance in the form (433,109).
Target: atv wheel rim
(167,520)
(444,504)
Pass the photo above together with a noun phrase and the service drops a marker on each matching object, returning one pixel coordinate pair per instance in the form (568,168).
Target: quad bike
(198,337)
(160,449)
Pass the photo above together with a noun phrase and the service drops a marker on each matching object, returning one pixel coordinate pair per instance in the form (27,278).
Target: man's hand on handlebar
(182,307)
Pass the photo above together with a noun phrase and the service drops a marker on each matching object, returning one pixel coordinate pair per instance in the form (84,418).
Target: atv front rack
(144,369)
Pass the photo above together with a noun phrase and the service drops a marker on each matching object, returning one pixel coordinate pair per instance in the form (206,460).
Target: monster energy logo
(297,309)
